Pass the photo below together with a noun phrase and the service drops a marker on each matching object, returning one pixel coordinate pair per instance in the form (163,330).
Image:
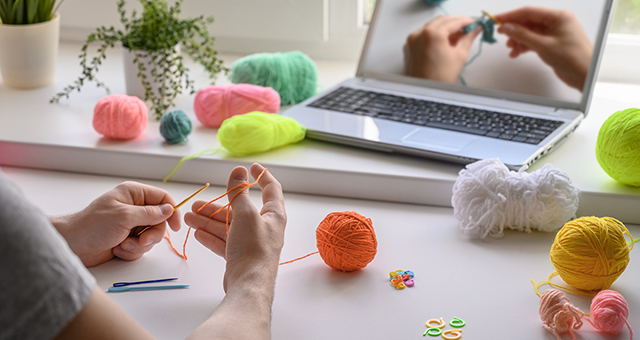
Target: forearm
(245,312)
(101,318)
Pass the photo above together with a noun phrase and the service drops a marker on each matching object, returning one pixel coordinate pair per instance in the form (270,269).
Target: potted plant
(152,43)
(29,34)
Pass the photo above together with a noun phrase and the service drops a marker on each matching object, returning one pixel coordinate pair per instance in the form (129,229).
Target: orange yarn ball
(346,241)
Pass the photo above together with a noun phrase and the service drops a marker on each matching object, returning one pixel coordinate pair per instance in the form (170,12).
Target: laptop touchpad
(437,139)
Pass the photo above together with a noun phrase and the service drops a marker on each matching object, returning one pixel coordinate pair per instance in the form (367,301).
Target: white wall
(324,29)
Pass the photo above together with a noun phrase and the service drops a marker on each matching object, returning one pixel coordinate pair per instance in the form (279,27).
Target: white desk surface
(486,283)
(37,134)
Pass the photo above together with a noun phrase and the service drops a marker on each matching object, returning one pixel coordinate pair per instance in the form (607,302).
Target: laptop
(514,109)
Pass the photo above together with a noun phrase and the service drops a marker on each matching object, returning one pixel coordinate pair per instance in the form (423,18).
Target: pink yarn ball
(214,104)
(119,116)
(609,311)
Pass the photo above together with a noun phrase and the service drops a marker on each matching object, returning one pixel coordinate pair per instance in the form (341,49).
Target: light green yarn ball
(618,146)
(257,132)
(292,74)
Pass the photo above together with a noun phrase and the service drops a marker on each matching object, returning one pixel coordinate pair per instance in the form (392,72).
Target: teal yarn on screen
(175,126)
(292,74)
(488,31)
(618,146)
(437,3)
(434,2)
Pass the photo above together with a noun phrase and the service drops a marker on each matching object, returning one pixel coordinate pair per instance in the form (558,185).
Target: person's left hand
(439,49)
(104,228)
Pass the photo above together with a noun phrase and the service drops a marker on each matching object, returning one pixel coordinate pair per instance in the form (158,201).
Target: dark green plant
(26,12)
(154,35)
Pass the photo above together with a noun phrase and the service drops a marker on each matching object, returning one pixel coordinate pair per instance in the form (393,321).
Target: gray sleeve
(43,284)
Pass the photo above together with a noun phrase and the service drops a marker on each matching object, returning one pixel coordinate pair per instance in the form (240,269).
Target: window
(367,10)
(626,18)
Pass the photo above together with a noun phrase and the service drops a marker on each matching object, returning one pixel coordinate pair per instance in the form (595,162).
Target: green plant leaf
(5,7)
(32,11)
(44,12)
(17,12)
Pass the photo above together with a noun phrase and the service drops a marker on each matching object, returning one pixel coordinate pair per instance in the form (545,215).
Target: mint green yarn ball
(292,74)
(618,146)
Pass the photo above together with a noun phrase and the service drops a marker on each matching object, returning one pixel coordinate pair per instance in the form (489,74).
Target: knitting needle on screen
(179,205)
(492,17)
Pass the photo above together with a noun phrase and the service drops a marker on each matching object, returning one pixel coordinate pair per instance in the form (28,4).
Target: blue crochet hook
(126,288)
(122,284)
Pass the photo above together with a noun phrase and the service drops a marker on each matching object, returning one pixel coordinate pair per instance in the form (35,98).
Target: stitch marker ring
(433,331)
(439,323)
(457,323)
(456,334)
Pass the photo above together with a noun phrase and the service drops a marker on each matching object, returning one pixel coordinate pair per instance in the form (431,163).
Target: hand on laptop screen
(555,35)
(439,50)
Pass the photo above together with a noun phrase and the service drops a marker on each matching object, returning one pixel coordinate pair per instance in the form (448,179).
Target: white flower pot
(132,82)
(28,53)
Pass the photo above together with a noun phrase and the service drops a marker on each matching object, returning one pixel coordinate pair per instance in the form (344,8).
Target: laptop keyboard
(438,115)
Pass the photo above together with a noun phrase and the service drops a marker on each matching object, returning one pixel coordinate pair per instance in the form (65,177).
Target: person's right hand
(555,35)
(104,229)
(439,50)
(256,237)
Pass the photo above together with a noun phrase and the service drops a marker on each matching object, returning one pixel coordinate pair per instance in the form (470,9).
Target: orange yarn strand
(299,258)
(167,237)
(242,187)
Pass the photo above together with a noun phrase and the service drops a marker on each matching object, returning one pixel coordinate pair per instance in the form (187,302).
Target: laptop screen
(546,55)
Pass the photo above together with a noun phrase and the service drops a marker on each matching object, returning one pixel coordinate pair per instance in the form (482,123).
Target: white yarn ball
(488,197)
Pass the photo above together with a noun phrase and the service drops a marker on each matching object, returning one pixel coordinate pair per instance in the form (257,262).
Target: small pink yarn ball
(609,311)
(214,104)
(119,116)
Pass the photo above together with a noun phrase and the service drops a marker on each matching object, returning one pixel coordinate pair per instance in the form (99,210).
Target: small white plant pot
(132,81)
(28,53)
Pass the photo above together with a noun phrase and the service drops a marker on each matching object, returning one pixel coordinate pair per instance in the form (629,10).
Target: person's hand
(252,247)
(555,35)
(439,49)
(104,228)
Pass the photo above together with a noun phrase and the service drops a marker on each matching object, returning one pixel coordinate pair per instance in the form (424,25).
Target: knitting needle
(126,289)
(492,17)
(179,205)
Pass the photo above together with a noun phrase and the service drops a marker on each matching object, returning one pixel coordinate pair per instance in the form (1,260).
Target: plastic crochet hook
(126,288)
(122,284)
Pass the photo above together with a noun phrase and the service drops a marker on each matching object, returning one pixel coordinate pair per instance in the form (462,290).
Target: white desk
(485,283)
(37,134)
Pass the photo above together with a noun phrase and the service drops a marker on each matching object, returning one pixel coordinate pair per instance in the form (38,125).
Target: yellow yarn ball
(257,132)
(590,253)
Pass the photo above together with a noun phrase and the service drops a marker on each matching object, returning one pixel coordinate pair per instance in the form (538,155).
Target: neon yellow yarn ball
(256,132)
(618,146)
(590,253)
